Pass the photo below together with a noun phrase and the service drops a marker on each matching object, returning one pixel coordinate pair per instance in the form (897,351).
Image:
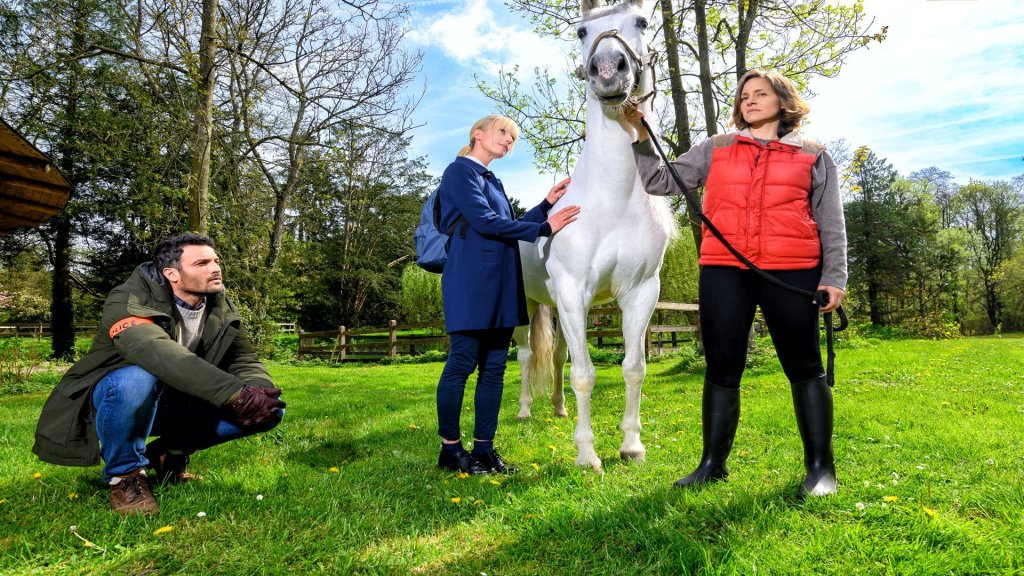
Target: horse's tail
(542,346)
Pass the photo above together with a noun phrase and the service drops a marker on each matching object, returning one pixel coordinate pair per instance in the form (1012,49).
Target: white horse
(614,250)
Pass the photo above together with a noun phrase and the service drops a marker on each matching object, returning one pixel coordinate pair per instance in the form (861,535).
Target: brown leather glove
(256,404)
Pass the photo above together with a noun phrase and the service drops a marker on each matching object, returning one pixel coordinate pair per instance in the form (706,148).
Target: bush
(22,365)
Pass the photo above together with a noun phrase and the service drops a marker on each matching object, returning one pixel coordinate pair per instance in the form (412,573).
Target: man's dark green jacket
(140,327)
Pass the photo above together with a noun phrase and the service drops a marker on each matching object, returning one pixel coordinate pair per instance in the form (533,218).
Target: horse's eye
(581,32)
(641,23)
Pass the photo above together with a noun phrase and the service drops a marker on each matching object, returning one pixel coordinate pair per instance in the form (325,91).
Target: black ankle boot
(812,401)
(720,414)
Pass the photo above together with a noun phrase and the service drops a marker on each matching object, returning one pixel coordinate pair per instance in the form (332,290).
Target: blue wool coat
(482,282)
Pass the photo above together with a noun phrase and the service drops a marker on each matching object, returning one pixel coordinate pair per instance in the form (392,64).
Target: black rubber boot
(812,401)
(720,415)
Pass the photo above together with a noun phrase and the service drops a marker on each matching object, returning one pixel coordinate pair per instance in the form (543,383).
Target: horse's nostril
(593,68)
(621,66)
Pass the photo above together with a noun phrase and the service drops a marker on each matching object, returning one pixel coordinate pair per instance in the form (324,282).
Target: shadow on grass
(664,531)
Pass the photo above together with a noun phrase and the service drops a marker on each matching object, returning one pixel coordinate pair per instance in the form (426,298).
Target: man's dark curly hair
(168,251)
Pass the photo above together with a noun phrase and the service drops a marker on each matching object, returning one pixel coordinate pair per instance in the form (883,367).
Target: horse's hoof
(589,462)
(523,415)
(633,455)
(561,413)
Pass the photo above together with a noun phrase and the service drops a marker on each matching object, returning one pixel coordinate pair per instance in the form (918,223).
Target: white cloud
(471,35)
(942,89)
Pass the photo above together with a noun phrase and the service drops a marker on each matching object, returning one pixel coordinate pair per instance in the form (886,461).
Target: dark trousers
(728,298)
(486,350)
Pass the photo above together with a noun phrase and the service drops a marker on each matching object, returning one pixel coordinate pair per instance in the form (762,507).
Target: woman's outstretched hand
(558,190)
(563,218)
(631,119)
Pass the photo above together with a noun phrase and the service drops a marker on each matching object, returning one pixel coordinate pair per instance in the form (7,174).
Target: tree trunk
(199,176)
(62,309)
(682,128)
(993,307)
(704,59)
(745,22)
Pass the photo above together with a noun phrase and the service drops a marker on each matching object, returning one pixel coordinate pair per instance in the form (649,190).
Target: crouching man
(171,360)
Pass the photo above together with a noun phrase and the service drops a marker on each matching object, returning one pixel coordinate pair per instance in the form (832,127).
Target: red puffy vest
(759,197)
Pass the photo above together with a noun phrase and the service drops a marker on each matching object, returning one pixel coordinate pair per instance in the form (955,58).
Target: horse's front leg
(522,337)
(637,307)
(581,377)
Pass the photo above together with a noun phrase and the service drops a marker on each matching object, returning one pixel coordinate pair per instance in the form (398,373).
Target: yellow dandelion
(477,502)
(928,511)
(553,447)
(495,482)
(162,530)
(535,466)
(456,500)
(2,502)
(413,427)
(462,475)
(37,475)
(334,470)
(73,496)
(744,452)
(891,498)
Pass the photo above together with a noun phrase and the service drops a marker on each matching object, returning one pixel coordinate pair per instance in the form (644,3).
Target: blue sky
(944,89)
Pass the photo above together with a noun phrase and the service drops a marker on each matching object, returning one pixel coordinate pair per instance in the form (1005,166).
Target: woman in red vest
(775,197)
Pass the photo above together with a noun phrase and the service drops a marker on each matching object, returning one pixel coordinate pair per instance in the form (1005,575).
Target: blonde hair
(794,108)
(485,123)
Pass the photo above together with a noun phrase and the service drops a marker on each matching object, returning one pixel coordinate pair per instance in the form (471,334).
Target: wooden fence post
(302,343)
(393,338)
(342,344)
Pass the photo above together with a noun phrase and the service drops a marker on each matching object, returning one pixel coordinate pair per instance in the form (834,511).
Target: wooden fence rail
(372,344)
(39,330)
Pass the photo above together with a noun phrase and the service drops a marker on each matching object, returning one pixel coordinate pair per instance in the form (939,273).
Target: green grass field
(929,438)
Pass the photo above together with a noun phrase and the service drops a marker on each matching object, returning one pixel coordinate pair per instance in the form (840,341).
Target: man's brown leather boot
(131,495)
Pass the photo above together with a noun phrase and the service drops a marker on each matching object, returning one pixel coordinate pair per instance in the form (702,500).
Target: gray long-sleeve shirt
(826,203)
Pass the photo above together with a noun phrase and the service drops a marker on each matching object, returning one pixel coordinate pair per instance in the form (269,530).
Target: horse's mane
(603,11)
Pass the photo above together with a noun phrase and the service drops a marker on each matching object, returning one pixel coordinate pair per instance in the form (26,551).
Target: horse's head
(614,50)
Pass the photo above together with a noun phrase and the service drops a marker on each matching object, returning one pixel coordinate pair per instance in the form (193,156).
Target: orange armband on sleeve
(126,323)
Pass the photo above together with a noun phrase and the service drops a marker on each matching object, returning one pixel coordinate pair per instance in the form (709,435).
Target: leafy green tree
(77,104)
(421,295)
(873,265)
(993,214)
(24,286)
(352,231)
(942,188)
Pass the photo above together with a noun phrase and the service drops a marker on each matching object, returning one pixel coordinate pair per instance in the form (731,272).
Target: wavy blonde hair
(794,108)
(485,123)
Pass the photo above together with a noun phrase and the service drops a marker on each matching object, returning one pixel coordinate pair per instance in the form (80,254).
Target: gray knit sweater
(826,203)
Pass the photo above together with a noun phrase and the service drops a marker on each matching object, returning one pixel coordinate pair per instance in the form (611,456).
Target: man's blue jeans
(131,405)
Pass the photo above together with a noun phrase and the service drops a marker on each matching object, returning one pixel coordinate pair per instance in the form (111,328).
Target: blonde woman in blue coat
(482,288)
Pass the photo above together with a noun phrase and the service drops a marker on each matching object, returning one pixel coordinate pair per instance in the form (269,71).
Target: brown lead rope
(820,297)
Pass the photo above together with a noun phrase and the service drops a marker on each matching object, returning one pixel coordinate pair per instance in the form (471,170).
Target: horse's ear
(637,3)
(587,5)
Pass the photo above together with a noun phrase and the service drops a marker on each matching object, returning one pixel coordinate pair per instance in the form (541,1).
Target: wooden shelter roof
(32,190)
